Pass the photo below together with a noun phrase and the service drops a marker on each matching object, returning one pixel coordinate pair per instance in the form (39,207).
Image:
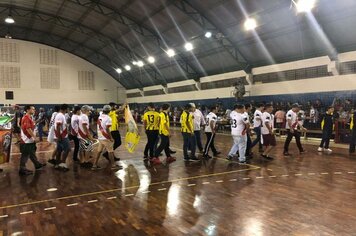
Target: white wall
(324,84)
(106,88)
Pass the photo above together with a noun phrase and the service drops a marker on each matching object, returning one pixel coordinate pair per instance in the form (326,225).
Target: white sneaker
(328,150)
(320,149)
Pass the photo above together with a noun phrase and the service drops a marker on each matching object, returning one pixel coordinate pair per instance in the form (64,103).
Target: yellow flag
(132,136)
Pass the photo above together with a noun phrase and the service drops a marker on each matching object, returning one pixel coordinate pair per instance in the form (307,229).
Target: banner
(132,136)
(5,146)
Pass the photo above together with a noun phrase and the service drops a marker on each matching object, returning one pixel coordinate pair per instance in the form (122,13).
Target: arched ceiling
(112,34)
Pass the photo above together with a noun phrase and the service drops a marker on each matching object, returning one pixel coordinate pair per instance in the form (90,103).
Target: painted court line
(337,173)
(233,180)
(4,216)
(246,178)
(91,201)
(26,212)
(72,204)
(351,172)
(284,175)
(129,195)
(189,185)
(162,189)
(121,189)
(272,176)
(109,198)
(146,191)
(259,177)
(206,183)
(324,173)
(50,208)
(219,181)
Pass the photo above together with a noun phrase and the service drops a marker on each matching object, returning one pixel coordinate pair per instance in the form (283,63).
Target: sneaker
(156,161)
(24,172)
(194,158)
(63,166)
(328,150)
(115,167)
(320,149)
(216,154)
(242,162)
(116,159)
(39,167)
(186,159)
(286,154)
(52,161)
(96,168)
(267,157)
(207,157)
(170,159)
(229,157)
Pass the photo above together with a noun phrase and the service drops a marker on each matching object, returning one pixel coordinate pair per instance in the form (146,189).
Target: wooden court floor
(309,194)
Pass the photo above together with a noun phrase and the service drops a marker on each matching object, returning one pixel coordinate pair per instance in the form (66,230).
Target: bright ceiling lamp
(127,67)
(151,59)
(118,70)
(208,34)
(188,46)
(134,63)
(9,20)
(171,53)
(140,64)
(250,24)
(304,5)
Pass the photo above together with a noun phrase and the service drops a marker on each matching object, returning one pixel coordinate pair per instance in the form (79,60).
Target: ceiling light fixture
(151,59)
(9,20)
(140,64)
(170,52)
(208,34)
(127,67)
(250,24)
(304,5)
(118,70)
(188,46)
(134,63)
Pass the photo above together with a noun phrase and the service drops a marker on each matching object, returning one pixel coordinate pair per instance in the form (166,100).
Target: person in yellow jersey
(151,124)
(114,129)
(164,133)
(187,129)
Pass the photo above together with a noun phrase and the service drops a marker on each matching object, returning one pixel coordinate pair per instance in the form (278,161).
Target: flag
(132,136)
(5,139)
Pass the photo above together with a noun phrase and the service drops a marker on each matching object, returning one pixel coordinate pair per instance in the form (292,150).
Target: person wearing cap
(327,125)
(198,122)
(187,129)
(105,138)
(114,129)
(292,125)
(151,125)
(85,137)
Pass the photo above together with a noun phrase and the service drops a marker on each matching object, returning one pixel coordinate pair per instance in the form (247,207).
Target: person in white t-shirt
(74,126)
(257,124)
(292,126)
(51,135)
(239,128)
(61,137)
(248,108)
(199,121)
(85,137)
(268,138)
(210,130)
(105,139)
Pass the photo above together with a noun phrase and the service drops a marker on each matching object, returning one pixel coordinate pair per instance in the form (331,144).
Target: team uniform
(114,129)
(239,124)
(268,138)
(187,129)
(353,133)
(105,140)
(257,124)
(164,134)
(249,142)
(27,143)
(210,136)
(151,119)
(61,133)
(292,116)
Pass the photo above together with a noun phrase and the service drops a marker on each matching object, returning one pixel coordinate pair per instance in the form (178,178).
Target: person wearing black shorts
(268,138)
